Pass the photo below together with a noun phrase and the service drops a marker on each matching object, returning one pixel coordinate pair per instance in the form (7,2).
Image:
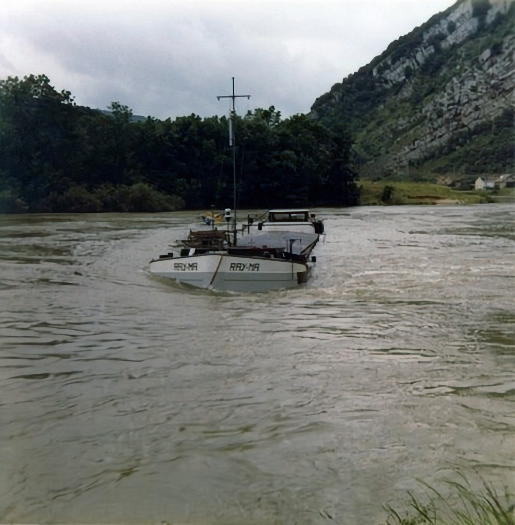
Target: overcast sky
(169,58)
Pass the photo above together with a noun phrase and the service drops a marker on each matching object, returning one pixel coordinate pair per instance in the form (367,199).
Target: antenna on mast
(232,143)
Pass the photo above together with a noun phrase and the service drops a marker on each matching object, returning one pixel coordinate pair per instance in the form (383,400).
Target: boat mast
(232,143)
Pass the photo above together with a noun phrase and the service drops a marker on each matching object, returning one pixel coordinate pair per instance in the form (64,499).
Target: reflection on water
(129,399)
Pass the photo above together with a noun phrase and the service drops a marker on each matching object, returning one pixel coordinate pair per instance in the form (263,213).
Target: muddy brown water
(128,399)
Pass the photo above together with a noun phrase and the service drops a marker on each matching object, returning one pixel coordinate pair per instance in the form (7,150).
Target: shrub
(496,48)
(112,198)
(11,203)
(140,197)
(387,194)
(74,200)
(435,40)
(144,198)
(480,8)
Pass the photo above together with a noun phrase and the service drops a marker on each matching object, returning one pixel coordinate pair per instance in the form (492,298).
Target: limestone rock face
(431,87)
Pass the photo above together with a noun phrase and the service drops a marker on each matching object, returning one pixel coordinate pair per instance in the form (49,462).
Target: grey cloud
(167,59)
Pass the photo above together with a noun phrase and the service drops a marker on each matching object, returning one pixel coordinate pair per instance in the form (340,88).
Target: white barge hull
(237,273)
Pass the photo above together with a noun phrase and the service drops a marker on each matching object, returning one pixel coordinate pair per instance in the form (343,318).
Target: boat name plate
(185,267)
(244,267)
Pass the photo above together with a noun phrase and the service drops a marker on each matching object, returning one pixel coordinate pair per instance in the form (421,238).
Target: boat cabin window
(288,217)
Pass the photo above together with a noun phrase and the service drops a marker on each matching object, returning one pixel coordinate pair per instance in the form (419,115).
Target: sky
(170,58)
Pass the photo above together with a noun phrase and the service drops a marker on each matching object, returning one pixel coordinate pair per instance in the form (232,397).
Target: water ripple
(129,399)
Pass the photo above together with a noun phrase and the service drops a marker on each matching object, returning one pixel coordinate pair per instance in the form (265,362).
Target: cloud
(172,58)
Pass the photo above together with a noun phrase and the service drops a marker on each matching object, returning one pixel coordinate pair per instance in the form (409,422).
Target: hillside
(439,100)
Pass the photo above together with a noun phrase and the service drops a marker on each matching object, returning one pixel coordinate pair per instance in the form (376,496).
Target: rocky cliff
(438,100)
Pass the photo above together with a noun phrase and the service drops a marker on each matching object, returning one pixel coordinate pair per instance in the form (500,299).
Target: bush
(74,200)
(496,49)
(435,40)
(11,203)
(140,197)
(480,8)
(387,194)
(112,198)
(144,198)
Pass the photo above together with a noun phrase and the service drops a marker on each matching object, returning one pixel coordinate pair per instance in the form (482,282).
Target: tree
(271,117)
(57,156)
(340,188)
(37,135)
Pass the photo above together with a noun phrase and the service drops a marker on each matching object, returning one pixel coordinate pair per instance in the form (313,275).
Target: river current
(129,399)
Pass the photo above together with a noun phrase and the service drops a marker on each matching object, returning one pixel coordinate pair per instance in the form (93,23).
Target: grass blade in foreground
(463,505)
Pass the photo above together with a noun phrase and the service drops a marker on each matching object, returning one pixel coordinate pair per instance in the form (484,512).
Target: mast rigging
(232,144)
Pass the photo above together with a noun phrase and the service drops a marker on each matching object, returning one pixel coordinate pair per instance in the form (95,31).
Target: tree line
(57,156)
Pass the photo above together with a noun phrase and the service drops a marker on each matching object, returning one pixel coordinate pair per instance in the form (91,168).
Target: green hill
(438,100)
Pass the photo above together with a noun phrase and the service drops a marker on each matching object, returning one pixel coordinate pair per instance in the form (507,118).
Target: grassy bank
(456,503)
(398,193)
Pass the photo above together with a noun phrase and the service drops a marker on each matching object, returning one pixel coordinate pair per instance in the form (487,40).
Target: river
(127,399)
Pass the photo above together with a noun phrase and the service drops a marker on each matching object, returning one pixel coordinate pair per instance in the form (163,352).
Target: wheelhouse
(288,216)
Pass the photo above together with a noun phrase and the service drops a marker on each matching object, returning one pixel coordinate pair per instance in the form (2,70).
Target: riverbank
(402,193)
(143,198)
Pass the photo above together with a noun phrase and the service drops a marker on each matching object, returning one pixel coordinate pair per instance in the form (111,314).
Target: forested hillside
(57,156)
(438,100)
